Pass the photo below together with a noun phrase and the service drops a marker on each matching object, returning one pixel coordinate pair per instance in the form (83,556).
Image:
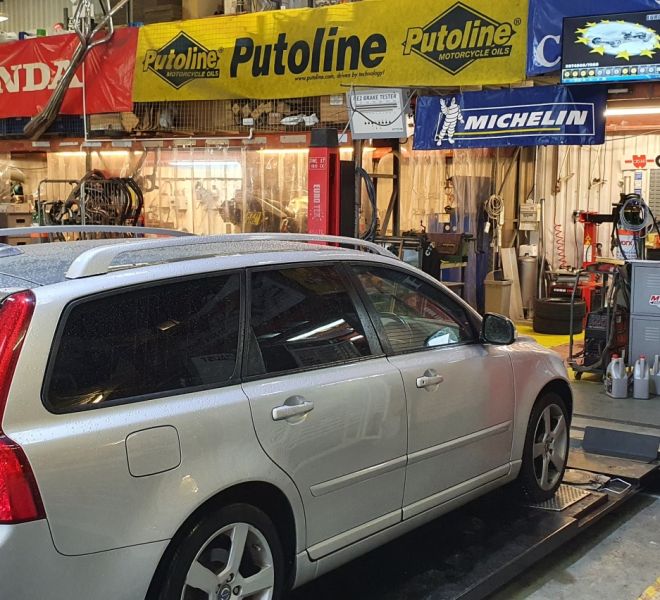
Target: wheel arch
(264,496)
(562,388)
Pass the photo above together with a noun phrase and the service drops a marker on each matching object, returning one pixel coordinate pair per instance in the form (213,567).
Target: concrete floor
(620,557)
(616,559)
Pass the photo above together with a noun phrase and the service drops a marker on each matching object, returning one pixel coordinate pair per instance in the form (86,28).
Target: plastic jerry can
(641,379)
(616,378)
(654,376)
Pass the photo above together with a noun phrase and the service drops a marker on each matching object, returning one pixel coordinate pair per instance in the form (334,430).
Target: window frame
(375,316)
(55,347)
(377,350)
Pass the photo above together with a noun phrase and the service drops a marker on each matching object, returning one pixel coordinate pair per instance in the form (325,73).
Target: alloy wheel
(236,563)
(550,447)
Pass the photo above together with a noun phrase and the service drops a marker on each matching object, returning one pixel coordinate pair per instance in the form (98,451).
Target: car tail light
(20,500)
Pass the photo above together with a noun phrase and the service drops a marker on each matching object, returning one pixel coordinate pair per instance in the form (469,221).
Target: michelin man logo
(450,116)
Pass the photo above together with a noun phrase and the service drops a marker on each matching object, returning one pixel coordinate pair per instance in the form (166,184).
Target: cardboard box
(334,109)
(163,15)
(198,9)
(106,122)
(13,207)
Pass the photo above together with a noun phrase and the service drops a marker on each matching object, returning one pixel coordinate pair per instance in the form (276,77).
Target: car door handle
(287,411)
(429,379)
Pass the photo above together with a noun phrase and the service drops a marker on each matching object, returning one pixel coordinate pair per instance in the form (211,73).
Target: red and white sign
(31,69)
(639,161)
(655,300)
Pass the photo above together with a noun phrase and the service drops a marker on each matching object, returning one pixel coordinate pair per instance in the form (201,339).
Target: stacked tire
(553,316)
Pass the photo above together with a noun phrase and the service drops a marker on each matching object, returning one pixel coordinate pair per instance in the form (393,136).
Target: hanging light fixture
(3,14)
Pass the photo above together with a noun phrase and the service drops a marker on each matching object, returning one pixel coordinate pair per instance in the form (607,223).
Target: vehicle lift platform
(473,551)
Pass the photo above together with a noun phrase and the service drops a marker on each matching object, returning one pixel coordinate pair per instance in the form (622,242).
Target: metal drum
(528,268)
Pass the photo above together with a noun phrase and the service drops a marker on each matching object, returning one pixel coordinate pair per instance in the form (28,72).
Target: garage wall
(587,178)
(28,15)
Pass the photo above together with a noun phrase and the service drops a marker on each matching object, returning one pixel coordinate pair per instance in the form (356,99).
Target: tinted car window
(154,340)
(413,314)
(302,317)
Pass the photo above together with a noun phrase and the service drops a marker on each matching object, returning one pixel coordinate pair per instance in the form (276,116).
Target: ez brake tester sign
(548,115)
(311,52)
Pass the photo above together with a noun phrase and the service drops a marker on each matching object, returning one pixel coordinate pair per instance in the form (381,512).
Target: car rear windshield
(146,342)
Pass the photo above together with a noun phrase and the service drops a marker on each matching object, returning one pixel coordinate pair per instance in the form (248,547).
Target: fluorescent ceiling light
(283,150)
(632,111)
(204,163)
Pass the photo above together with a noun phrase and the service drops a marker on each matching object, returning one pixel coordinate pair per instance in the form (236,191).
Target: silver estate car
(228,418)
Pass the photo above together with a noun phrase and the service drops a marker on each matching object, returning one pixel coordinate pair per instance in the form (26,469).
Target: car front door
(328,406)
(459,392)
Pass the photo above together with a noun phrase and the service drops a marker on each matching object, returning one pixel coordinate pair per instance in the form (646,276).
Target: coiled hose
(560,246)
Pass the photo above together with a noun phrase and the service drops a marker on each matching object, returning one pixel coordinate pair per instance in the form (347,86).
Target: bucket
(628,249)
(498,293)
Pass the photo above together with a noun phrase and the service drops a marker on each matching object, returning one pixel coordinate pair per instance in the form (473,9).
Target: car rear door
(144,400)
(459,392)
(328,407)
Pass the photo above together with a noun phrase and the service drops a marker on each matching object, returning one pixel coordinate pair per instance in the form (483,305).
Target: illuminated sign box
(610,48)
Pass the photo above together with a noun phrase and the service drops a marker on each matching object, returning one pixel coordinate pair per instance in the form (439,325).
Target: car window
(154,340)
(413,314)
(302,317)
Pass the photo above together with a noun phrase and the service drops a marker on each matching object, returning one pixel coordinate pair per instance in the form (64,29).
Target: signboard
(621,47)
(324,51)
(517,117)
(377,113)
(30,70)
(545,26)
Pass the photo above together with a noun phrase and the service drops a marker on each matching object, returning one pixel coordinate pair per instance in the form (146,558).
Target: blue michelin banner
(540,116)
(546,20)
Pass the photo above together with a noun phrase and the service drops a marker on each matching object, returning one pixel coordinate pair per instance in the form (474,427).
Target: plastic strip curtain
(423,188)
(472,179)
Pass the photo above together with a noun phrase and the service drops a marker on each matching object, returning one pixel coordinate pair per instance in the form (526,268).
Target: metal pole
(396,187)
(357,158)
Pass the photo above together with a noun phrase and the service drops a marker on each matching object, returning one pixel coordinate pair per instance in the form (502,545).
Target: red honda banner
(31,69)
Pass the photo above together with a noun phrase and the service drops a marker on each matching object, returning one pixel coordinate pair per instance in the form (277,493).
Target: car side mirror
(496,329)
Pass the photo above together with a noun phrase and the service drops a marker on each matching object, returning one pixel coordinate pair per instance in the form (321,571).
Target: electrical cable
(494,207)
(645,223)
(370,234)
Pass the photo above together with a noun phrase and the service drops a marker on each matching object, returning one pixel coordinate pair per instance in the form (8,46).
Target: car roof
(37,265)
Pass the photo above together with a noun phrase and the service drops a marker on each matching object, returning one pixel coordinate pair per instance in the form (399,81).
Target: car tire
(552,327)
(558,309)
(206,549)
(545,454)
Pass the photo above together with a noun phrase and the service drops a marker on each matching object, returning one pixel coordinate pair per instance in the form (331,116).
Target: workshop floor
(618,559)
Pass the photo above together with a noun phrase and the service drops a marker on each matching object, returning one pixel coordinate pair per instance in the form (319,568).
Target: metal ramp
(473,551)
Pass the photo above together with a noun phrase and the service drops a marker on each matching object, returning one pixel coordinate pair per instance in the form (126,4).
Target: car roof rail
(98,261)
(51,229)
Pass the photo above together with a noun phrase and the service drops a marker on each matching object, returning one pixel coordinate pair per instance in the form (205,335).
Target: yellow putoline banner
(319,51)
